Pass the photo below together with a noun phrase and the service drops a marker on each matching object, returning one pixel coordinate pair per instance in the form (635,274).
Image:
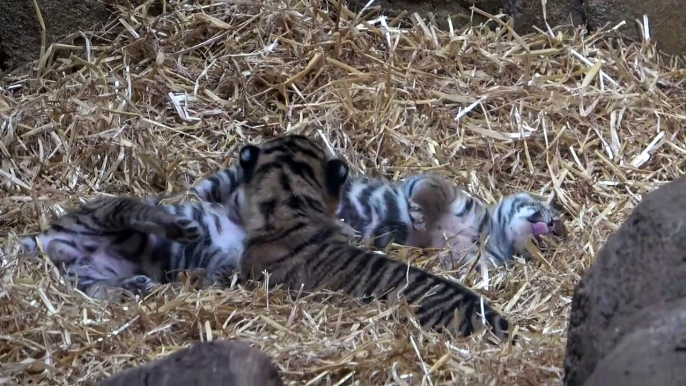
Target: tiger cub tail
(439,303)
(292,189)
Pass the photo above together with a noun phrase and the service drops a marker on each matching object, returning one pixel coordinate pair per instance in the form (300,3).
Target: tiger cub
(292,190)
(116,243)
(430,211)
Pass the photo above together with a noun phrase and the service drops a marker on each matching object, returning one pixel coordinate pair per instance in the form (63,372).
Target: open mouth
(555,228)
(539,229)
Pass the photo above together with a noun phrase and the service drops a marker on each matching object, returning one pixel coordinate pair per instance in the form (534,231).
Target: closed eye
(536,217)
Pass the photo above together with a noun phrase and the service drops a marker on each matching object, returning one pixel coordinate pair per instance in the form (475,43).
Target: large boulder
(219,363)
(640,271)
(654,353)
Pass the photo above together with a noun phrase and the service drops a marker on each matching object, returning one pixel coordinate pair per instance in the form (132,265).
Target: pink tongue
(539,228)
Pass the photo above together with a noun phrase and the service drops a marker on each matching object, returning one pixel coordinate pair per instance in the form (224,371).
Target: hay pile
(152,103)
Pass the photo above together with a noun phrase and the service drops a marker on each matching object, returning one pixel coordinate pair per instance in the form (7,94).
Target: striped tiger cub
(116,243)
(430,211)
(292,190)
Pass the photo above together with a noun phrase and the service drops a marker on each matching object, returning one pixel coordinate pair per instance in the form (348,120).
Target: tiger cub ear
(247,159)
(336,176)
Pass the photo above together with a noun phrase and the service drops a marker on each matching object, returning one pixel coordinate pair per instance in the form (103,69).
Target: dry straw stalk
(152,102)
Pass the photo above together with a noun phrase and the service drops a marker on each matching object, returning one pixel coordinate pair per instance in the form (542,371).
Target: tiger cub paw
(138,285)
(183,230)
(28,244)
(417,216)
(347,230)
(499,325)
(222,274)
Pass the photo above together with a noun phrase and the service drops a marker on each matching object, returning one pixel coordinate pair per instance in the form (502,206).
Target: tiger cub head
(522,215)
(288,176)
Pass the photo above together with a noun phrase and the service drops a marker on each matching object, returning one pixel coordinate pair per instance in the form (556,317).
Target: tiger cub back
(292,191)
(116,243)
(377,209)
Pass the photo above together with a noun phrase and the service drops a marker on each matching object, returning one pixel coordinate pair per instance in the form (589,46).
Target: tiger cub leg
(93,226)
(138,215)
(116,214)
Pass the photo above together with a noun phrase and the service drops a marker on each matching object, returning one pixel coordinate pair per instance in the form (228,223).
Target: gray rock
(653,354)
(219,363)
(20,31)
(526,14)
(642,265)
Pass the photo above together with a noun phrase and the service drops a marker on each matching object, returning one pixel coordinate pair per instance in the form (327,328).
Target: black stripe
(444,294)
(272,237)
(217,222)
(421,282)
(376,268)
(323,258)
(398,275)
(61,229)
(466,326)
(315,239)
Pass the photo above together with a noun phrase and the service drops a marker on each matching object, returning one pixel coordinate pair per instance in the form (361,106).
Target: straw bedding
(152,103)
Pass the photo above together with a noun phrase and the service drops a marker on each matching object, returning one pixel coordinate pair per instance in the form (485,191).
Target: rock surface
(642,265)
(219,363)
(526,13)
(20,30)
(653,354)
